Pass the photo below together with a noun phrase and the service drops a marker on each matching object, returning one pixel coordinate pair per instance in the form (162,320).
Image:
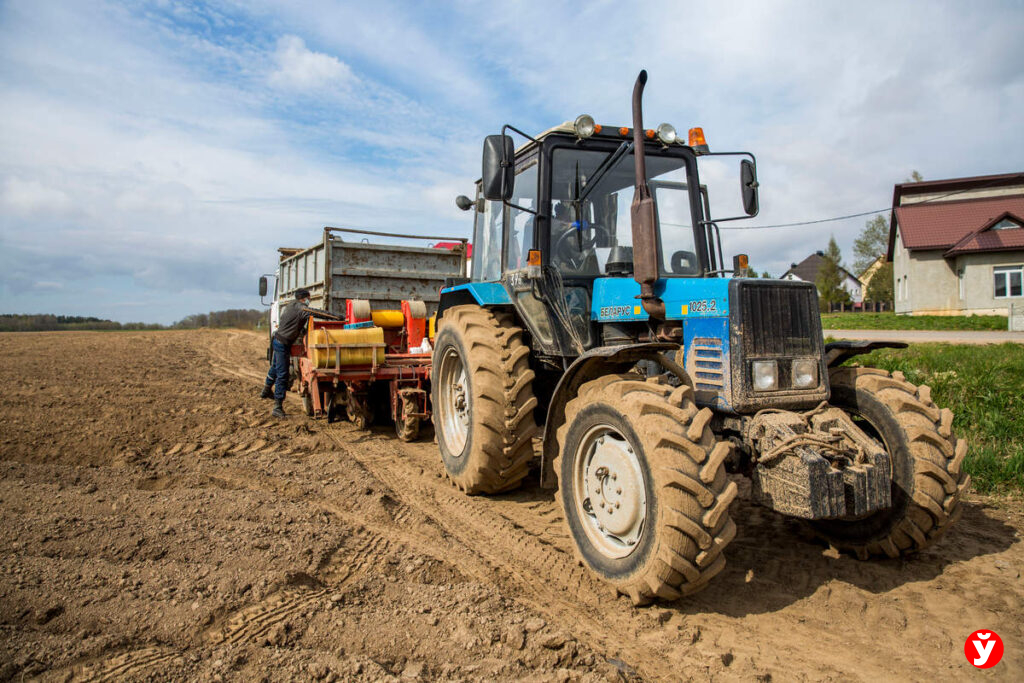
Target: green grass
(984,387)
(891,321)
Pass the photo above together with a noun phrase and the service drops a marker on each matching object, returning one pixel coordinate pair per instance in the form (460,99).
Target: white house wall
(932,282)
(979,289)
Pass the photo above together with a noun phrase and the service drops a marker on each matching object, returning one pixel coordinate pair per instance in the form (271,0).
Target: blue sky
(153,155)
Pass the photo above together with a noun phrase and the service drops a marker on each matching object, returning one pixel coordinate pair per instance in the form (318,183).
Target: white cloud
(299,68)
(26,197)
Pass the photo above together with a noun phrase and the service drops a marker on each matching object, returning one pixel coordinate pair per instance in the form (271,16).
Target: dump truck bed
(338,269)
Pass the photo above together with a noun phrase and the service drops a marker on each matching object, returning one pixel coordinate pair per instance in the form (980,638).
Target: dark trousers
(278,375)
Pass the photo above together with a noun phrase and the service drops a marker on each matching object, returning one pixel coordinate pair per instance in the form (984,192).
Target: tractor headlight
(805,373)
(766,375)
(667,133)
(584,126)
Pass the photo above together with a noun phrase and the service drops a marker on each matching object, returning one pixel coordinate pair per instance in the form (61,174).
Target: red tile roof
(985,239)
(941,225)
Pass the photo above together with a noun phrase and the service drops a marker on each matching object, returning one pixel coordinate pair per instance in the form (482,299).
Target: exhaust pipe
(641,212)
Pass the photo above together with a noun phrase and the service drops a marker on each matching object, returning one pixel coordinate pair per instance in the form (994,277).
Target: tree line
(44,322)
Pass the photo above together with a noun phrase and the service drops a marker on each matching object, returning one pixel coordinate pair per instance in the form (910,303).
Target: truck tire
(927,458)
(643,450)
(482,394)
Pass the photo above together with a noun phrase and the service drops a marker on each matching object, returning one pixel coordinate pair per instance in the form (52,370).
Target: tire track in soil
(530,564)
(133,663)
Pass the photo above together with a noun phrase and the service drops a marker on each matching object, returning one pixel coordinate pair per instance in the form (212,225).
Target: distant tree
(830,277)
(766,275)
(872,243)
(915,177)
(234,317)
(880,286)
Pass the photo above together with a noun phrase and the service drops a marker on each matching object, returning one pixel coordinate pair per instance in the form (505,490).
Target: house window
(1008,281)
(1005,224)
(960,281)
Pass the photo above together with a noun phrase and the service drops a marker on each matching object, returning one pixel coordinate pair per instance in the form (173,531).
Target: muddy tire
(482,395)
(653,438)
(407,426)
(927,460)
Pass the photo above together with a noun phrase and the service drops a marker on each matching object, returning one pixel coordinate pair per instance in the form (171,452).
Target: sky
(153,155)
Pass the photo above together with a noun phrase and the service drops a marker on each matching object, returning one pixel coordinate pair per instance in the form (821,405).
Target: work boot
(268,391)
(278,408)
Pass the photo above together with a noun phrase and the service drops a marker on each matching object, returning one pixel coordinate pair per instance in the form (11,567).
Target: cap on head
(301,294)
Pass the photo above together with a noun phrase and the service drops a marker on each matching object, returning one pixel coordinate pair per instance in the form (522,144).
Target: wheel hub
(611,491)
(454,404)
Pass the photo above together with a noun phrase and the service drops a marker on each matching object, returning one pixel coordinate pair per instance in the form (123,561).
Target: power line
(858,215)
(791,225)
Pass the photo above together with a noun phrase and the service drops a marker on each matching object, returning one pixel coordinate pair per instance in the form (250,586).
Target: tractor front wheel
(928,481)
(483,400)
(643,487)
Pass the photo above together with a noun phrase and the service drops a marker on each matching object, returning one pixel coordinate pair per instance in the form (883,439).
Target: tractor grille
(779,319)
(708,370)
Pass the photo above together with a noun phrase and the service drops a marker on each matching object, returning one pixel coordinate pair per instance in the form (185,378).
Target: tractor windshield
(583,234)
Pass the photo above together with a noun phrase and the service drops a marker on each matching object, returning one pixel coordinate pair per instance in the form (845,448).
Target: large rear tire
(643,487)
(927,459)
(482,394)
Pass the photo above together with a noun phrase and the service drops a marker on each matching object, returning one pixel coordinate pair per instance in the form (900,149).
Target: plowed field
(157,523)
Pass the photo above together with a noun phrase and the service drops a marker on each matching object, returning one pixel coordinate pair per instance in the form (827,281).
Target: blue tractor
(607,336)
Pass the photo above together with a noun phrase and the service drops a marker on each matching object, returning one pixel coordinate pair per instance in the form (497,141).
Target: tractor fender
(838,352)
(595,363)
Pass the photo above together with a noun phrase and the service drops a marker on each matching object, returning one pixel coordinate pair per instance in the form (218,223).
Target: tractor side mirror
(498,168)
(748,184)
(263,286)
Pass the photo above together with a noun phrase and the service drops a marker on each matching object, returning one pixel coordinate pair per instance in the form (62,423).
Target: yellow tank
(388,319)
(354,355)
(432,327)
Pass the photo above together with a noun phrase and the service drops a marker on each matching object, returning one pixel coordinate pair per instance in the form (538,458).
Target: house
(869,272)
(808,269)
(957,245)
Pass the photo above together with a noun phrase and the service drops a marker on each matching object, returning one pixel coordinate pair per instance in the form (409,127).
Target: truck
(611,331)
(374,360)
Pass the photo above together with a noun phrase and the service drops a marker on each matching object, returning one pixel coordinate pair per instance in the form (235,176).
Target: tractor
(635,372)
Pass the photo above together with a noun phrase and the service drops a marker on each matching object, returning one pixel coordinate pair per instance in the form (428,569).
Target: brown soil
(158,523)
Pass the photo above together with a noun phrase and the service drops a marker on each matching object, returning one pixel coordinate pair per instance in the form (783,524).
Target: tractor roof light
(697,141)
(584,126)
(667,134)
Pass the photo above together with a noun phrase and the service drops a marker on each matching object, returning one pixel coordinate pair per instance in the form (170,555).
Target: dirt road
(942,336)
(157,523)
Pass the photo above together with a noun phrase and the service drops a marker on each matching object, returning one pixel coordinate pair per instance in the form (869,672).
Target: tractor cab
(553,232)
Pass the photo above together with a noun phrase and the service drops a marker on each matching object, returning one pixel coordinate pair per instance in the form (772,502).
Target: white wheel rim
(608,483)
(454,404)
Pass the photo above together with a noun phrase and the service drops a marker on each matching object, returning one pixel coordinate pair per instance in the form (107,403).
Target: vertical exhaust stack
(645,238)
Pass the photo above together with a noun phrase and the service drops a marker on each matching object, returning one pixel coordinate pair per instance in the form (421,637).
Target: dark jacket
(294,319)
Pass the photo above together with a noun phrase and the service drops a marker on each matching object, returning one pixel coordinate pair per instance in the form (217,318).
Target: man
(293,323)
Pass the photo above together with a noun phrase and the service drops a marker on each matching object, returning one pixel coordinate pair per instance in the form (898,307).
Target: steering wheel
(565,251)
(684,263)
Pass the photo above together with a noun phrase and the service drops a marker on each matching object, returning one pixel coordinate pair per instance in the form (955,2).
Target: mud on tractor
(648,375)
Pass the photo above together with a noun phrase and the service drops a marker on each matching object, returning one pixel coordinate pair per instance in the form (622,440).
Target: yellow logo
(637,310)
(686,309)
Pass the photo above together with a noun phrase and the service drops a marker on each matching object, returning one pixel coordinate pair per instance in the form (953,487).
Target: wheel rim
(608,483)
(454,403)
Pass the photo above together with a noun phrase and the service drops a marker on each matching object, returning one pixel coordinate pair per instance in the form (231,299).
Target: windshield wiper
(602,170)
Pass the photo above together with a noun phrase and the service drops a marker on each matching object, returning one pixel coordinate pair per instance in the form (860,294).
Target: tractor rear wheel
(928,482)
(643,487)
(482,394)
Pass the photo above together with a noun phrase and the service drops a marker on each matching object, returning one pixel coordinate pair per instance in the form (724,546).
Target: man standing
(293,323)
